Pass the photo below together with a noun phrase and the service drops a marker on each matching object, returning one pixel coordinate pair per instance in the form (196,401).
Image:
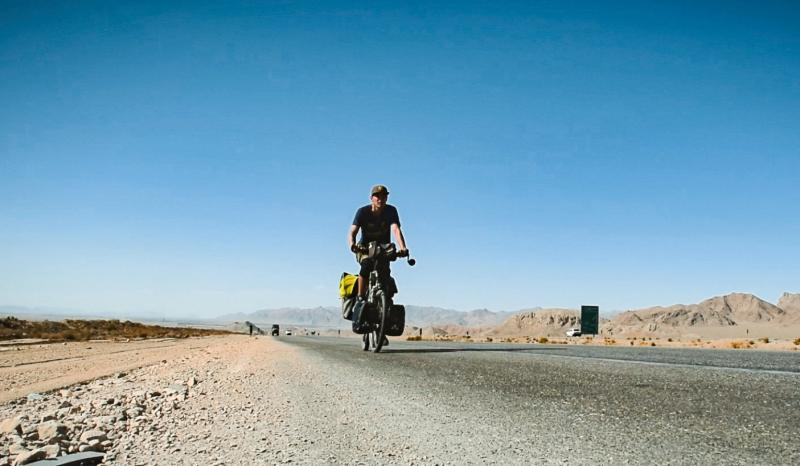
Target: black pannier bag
(397,321)
(370,316)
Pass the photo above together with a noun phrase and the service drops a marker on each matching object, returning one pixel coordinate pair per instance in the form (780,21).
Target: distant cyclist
(375,221)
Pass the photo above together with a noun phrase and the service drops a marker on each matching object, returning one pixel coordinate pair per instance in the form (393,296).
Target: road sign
(590,320)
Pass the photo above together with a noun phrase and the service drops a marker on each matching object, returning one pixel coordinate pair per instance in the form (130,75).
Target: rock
(94,434)
(51,430)
(35,397)
(175,388)
(65,404)
(192,381)
(52,451)
(11,425)
(30,456)
(51,416)
(17,448)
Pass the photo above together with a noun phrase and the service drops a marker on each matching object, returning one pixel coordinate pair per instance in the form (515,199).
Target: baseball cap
(379,189)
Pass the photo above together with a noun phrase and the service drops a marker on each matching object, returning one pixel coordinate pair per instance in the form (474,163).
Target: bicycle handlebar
(364,249)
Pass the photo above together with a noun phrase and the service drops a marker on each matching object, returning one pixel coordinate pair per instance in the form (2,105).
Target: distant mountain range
(419,316)
(732,311)
(721,316)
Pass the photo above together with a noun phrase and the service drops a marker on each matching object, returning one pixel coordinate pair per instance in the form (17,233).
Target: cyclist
(375,221)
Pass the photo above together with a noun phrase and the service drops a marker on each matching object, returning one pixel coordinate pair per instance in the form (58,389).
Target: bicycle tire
(383,311)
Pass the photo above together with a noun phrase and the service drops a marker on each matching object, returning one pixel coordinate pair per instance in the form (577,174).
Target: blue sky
(195,159)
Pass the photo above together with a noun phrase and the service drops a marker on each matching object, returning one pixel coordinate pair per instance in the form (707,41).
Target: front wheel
(378,336)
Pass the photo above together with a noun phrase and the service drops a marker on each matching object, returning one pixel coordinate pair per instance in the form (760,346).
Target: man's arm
(398,236)
(351,236)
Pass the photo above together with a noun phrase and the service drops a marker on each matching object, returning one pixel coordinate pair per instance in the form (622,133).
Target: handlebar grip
(411,262)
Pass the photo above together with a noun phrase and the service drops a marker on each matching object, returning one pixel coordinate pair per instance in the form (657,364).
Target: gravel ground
(265,400)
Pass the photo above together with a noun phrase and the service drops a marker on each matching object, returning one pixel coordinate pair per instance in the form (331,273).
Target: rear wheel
(377,336)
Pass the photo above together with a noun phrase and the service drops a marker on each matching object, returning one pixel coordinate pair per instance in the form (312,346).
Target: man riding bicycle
(375,221)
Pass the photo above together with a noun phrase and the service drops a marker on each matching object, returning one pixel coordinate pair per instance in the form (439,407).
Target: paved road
(523,404)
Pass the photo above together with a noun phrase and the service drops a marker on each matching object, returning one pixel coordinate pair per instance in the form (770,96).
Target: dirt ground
(30,368)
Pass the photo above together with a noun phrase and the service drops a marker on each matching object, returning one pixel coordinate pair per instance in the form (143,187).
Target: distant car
(288,333)
(574,332)
(276,330)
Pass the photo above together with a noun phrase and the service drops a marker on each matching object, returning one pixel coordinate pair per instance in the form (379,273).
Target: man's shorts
(367,265)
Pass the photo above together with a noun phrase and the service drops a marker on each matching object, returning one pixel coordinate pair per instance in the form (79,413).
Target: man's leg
(362,286)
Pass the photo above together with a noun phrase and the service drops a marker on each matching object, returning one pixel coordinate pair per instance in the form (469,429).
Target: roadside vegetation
(12,328)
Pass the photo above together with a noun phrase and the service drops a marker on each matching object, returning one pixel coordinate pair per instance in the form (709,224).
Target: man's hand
(403,253)
(354,247)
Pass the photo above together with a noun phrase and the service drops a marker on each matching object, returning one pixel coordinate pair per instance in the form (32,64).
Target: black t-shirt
(376,227)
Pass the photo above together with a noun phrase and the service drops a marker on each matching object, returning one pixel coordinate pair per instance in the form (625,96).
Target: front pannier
(397,321)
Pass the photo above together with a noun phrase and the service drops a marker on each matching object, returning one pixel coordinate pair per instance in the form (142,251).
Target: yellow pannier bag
(347,285)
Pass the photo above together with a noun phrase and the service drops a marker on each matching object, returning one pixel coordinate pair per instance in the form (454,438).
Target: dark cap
(379,189)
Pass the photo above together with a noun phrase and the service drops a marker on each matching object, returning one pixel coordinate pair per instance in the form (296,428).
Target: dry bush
(740,344)
(764,339)
(631,343)
(414,338)
(543,340)
(80,330)
(488,339)
(797,341)
(669,340)
(652,343)
(610,341)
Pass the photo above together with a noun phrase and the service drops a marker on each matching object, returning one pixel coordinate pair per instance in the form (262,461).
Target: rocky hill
(539,322)
(790,302)
(735,309)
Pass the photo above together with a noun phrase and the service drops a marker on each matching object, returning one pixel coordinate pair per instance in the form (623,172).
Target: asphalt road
(539,404)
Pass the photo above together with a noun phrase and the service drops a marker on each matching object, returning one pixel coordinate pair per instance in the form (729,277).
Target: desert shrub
(543,340)
(764,339)
(740,344)
(631,343)
(75,330)
(609,341)
(751,342)
(488,339)
(414,338)
(797,341)
(669,339)
(652,343)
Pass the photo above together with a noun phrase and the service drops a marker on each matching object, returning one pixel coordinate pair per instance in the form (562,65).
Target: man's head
(378,196)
